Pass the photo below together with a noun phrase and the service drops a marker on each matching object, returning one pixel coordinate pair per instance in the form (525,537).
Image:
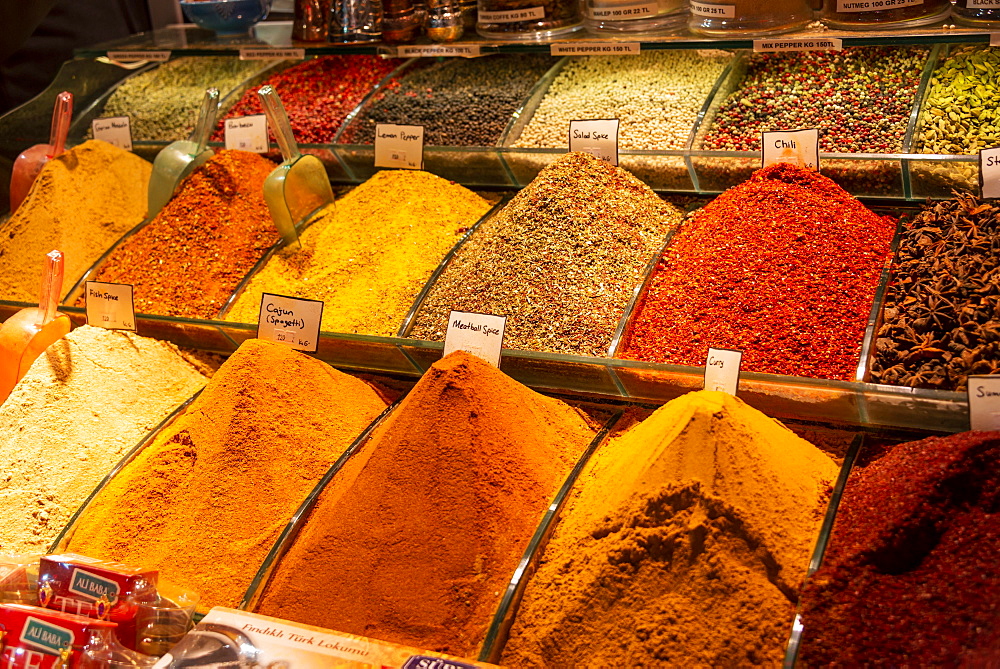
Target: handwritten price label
(110,305)
(478,334)
(291,321)
(722,370)
(247,133)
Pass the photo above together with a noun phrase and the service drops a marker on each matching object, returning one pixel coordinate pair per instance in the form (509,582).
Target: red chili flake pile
(911,576)
(783,267)
(190,258)
(317,94)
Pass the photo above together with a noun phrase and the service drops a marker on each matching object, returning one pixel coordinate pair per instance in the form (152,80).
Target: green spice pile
(561,260)
(962,110)
(859,98)
(941,321)
(163,104)
(459,102)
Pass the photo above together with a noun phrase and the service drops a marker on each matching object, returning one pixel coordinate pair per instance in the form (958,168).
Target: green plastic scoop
(298,187)
(178,159)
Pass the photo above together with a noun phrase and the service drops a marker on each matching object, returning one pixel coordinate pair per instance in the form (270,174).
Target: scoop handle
(206,119)
(62,114)
(278,119)
(52,280)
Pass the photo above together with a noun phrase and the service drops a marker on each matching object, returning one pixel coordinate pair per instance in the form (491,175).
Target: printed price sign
(599,138)
(249,53)
(722,370)
(512,15)
(853,6)
(774,45)
(247,133)
(798,147)
(478,334)
(434,50)
(110,305)
(114,130)
(713,10)
(291,321)
(399,146)
(595,49)
(133,56)
(984,402)
(639,10)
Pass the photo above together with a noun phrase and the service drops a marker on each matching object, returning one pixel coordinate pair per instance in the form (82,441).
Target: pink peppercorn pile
(783,267)
(317,94)
(911,577)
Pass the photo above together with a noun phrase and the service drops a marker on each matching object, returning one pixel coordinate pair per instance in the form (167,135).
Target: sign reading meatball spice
(797,147)
(599,138)
(291,321)
(399,146)
(722,370)
(110,306)
(478,334)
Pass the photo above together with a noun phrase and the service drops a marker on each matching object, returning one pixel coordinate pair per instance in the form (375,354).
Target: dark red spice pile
(190,258)
(912,576)
(783,267)
(317,94)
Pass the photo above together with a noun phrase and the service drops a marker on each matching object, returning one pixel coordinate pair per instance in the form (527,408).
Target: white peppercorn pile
(656,95)
(163,104)
(459,102)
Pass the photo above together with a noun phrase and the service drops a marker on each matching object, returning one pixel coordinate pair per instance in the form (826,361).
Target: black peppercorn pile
(942,314)
(459,102)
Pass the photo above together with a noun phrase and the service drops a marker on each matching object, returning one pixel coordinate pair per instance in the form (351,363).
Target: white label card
(599,138)
(595,49)
(989,172)
(399,146)
(713,10)
(133,56)
(852,6)
(110,305)
(114,130)
(798,147)
(478,334)
(984,402)
(434,50)
(512,15)
(816,44)
(722,370)
(247,53)
(247,133)
(291,321)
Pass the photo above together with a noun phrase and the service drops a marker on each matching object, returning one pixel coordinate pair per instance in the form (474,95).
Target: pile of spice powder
(683,543)
(190,258)
(560,260)
(85,402)
(205,501)
(459,102)
(656,95)
(910,577)
(783,267)
(163,104)
(317,94)
(367,256)
(859,98)
(941,320)
(464,469)
(81,203)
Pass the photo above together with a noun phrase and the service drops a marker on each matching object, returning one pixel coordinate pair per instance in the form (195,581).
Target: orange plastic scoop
(25,335)
(31,161)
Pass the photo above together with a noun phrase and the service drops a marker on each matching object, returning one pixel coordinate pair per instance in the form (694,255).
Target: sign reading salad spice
(989,172)
(798,147)
(115,130)
(110,305)
(984,402)
(247,133)
(722,370)
(599,138)
(399,146)
(478,334)
(291,321)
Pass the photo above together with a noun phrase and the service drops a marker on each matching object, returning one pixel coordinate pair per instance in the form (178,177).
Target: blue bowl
(227,17)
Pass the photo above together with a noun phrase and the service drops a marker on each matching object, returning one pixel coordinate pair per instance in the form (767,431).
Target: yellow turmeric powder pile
(206,500)
(684,543)
(370,253)
(414,540)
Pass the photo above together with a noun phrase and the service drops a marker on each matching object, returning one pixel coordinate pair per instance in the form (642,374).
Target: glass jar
(634,16)
(355,21)
(875,14)
(977,13)
(748,17)
(400,22)
(444,20)
(312,20)
(528,19)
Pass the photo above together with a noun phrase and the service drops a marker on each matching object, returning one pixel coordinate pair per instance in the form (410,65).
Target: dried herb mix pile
(941,320)
(414,540)
(783,267)
(560,260)
(205,501)
(910,577)
(190,258)
(683,543)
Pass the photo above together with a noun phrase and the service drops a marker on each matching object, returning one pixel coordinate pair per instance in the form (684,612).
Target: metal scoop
(298,187)
(178,159)
(25,335)
(31,161)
